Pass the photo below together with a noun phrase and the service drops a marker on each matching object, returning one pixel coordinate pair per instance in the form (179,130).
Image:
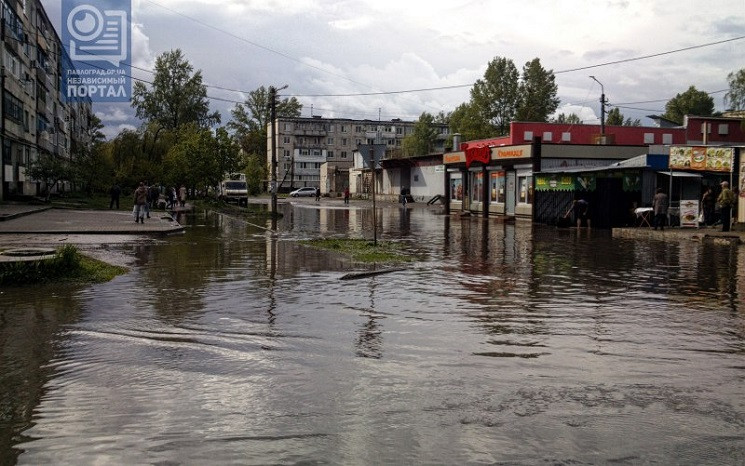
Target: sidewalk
(29,219)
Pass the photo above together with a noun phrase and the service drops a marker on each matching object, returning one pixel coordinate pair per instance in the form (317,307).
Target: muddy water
(500,344)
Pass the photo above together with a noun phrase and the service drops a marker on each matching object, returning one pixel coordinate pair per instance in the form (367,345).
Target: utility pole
(602,108)
(272,116)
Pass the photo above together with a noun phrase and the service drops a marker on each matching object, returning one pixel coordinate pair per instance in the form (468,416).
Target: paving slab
(67,221)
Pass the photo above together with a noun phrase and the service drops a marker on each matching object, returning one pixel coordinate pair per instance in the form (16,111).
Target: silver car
(309,192)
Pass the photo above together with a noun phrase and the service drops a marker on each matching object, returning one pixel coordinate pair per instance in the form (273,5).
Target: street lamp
(602,106)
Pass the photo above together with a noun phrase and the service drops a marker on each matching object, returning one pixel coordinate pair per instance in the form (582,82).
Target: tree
(256,172)
(466,120)
(495,98)
(176,96)
(50,170)
(735,97)
(250,119)
(537,93)
(423,138)
(572,119)
(192,160)
(690,102)
(615,118)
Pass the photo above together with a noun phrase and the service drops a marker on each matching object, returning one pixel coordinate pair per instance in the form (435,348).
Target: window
(329,141)
(330,128)
(344,154)
(358,129)
(303,151)
(547,136)
(344,141)
(329,154)
(667,138)
(566,137)
(723,128)
(648,138)
(525,189)
(528,136)
(343,128)
(287,127)
(13,108)
(477,185)
(399,130)
(456,189)
(286,139)
(286,153)
(496,186)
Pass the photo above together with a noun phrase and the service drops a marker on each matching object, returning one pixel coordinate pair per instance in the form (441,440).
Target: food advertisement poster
(716,159)
(689,213)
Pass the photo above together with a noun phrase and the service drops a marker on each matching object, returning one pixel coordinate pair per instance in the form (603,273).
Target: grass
(362,250)
(67,266)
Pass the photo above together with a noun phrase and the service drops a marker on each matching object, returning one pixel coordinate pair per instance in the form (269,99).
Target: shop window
(496,187)
(477,185)
(456,189)
(525,189)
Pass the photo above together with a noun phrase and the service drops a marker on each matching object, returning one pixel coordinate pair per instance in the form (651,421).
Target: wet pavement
(498,344)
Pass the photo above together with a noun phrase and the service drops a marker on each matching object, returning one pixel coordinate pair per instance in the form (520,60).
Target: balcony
(309,132)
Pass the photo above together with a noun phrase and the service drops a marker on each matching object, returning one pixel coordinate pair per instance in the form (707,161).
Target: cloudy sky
(331,52)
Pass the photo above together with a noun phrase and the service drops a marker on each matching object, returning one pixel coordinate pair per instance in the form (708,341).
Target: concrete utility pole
(272,116)
(602,107)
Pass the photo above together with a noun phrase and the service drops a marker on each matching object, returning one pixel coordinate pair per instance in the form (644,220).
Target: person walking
(318,194)
(346,195)
(726,201)
(140,201)
(660,204)
(182,195)
(114,192)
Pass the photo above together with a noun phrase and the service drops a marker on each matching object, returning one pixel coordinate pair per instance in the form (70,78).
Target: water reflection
(510,343)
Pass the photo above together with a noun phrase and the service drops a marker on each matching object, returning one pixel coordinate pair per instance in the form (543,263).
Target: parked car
(309,192)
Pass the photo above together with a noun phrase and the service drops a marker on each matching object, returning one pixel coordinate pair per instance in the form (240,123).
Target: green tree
(89,165)
(256,172)
(735,97)
(615,118)
(495,98)
(572,119)
(690,102)
(227,153)
(192,161)
(50,170)
(537,93)
(423,138)
(176,97)
(250,119)
(467,121)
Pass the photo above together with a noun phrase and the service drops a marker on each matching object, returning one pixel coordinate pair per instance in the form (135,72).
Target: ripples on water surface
(502,344)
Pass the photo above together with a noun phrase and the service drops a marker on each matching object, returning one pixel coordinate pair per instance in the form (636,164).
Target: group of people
(710,203)
(147,197)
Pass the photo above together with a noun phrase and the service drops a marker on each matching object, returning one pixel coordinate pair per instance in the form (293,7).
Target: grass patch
(67,266)
(362,250)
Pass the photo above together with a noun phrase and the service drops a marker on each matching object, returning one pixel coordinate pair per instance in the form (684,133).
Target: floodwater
(507,344)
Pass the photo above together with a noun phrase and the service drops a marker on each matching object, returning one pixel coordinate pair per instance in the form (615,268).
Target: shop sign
(454,157)
(513,152)
(688,213)
(558,182)
(699,158)
(632,182)
(477,154)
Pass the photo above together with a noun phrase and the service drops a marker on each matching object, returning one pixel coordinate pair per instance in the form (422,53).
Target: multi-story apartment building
(304,145)
(37,120)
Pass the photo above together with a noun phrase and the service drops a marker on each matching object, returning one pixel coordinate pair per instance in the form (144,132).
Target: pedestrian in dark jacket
(114,192)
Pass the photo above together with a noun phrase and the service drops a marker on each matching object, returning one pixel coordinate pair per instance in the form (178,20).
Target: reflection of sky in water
(502,343)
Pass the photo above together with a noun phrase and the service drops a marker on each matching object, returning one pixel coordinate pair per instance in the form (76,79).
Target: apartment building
(305,144)
(37,120)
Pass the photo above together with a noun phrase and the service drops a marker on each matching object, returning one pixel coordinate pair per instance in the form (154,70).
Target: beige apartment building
(36,121)
(319,152)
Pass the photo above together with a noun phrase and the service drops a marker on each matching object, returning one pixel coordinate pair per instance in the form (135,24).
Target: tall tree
(690,102)
(538,89)
(572,119)
(467,121)
(735,97)
(176,97)
(423,138)
(615,118)
(251,117)
(496,97)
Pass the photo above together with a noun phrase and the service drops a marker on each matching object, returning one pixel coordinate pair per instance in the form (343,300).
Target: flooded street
(509,344)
